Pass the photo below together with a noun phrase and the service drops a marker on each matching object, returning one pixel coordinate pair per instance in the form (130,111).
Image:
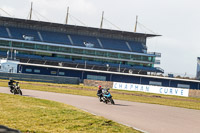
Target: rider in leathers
(11,84)
(99,93)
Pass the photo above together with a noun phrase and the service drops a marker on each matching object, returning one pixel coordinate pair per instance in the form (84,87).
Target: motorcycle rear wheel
(11,91)
(15,91)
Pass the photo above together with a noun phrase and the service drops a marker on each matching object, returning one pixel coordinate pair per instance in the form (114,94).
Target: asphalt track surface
(145,117)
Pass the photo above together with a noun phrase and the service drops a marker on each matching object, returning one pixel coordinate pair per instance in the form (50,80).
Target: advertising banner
(151,89)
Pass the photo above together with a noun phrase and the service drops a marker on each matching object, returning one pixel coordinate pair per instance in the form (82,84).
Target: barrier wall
(194,93)
(144,88)
(104,84)
(40,78)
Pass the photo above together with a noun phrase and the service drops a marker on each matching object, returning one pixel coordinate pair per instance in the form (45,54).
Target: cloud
(83,6)
(7,10)
(176,55)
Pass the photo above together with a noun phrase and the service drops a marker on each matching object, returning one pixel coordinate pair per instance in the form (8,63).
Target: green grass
(39,116)
(184,102)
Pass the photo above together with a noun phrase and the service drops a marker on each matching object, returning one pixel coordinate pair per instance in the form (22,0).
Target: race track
(146,117)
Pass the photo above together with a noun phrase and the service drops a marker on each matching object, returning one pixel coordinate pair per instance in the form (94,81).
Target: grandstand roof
(73,29)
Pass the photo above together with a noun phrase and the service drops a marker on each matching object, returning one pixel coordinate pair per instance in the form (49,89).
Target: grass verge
(35,115)
(184,102)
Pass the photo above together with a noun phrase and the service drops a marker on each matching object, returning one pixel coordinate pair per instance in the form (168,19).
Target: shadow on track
(121,105)
(29,96)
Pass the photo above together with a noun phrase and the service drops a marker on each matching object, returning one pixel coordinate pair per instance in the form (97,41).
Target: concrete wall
(194,93)
(40,78)
(104,84)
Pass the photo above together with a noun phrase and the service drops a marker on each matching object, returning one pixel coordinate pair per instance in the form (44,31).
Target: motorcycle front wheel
(20,92)
(112,101)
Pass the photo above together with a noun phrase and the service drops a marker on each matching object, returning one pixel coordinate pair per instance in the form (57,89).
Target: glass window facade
(102,55)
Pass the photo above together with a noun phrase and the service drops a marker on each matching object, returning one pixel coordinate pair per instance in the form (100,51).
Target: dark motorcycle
(107,97)
(14,87)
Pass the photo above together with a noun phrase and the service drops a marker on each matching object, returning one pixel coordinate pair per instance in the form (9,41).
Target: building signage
(151,89)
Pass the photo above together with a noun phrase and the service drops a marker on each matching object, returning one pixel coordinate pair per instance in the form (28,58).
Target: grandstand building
(80,47)
(84,52)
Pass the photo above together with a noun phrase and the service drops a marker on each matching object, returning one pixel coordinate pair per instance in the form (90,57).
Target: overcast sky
(178,21)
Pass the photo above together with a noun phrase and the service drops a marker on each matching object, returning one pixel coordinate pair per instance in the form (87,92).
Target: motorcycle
(107,97)
(14,88)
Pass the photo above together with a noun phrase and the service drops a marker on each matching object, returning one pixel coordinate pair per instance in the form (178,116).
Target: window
(77,51)
(53,48)
(53,72)
(28,70)
(29,45)
(17,44)
(4,43)
(155,83)
(42,54)
(41,47)
(183,86)
(96,77)
(125,56)
(36,71)
(89,52)
(67,50)
(135,57)
(115,55)
(61,73)
(100,53)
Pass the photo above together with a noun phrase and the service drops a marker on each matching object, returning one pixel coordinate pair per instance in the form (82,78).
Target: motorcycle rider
(11,85)
(99,93)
